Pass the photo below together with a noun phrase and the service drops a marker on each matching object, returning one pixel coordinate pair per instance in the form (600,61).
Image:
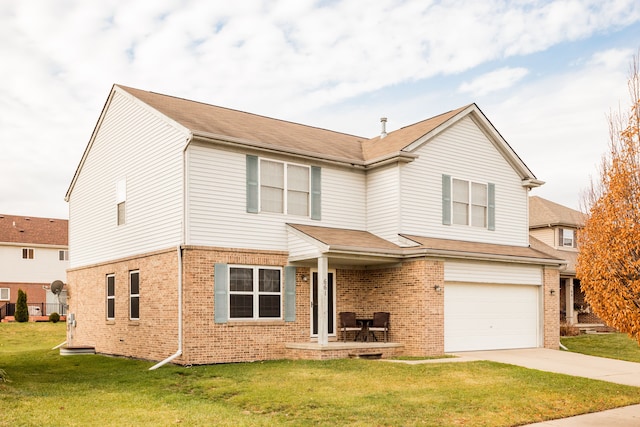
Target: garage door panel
(488,317)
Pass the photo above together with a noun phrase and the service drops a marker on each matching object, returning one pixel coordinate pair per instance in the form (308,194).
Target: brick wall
(551,277)
(407,292)
(35,292)
(155,335)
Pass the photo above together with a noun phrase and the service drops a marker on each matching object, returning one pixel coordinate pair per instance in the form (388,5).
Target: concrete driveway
(564,362)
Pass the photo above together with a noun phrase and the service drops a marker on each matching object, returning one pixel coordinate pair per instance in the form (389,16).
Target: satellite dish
(56,287)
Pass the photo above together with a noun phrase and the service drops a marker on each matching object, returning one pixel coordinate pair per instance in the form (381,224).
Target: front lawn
(612,346)
(48,389)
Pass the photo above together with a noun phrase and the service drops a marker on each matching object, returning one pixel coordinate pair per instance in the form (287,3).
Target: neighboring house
(554,229)
(33,253)
(202,234)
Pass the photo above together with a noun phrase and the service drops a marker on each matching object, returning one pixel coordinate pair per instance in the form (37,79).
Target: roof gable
(33,230)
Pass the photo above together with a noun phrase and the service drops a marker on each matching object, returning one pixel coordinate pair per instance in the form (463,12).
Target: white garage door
(490,317)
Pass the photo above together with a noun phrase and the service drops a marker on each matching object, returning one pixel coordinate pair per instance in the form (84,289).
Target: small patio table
(363,334)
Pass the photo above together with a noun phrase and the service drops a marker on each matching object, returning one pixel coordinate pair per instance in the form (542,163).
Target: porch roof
(362,247)
(465,249)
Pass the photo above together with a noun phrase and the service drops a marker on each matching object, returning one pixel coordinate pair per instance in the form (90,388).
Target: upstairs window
(284,188)
(121,200)
(27,253)
(4,294)
(566,238)
(281,187)
(468,203)
(63,255)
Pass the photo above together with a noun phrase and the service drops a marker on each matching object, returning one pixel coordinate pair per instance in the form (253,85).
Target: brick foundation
(406,291)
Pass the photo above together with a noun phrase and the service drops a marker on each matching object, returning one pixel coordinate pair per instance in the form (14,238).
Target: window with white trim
(27,253)
(284,188)
(469,202)
(63,255)
(134,295)
(121,201)
(111,296)
(566,238)
(5,294)
(255,292)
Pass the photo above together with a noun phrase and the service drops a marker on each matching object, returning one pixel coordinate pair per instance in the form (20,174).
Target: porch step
(72,351)
(365,355)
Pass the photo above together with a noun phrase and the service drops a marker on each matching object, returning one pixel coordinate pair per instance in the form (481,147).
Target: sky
(546,73)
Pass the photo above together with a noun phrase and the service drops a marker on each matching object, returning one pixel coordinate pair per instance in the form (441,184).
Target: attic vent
(383,122)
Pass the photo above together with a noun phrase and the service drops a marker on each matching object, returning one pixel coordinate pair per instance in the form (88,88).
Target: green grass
(612,346)
(48,389)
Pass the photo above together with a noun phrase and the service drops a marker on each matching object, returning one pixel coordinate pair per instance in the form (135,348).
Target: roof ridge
(127,88)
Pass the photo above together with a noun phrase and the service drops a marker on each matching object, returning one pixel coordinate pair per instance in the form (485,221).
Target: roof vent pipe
(383,122)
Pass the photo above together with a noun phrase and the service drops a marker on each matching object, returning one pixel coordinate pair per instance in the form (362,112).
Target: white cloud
(286,59)
(495,80)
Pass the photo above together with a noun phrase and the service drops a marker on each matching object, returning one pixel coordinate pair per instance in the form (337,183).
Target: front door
(331,309)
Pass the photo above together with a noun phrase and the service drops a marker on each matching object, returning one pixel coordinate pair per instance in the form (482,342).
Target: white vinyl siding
(546,235)
(463,151)
(383,202)
(44,268)
(134,142)
(492,272)
(217,213)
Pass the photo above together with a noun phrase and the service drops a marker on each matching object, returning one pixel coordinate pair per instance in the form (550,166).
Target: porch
(343,350)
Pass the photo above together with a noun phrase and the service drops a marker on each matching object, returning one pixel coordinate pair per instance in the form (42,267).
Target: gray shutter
(289,294)
(316,187)
(446,199)
(220,279)
(560,237)
(491,208)
(252,184)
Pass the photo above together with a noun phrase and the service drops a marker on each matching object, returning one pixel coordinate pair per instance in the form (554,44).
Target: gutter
(179,351)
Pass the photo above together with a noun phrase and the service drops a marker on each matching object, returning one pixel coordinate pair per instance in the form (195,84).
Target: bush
(22,311)
(54,317)
(567,330)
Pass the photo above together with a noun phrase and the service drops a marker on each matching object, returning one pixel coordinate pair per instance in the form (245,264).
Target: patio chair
(348,323)
(380,323)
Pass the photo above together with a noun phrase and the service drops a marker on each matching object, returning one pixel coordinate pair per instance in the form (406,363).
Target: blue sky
(546,74)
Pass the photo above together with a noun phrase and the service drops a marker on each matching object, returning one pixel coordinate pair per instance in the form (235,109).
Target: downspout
(179,352)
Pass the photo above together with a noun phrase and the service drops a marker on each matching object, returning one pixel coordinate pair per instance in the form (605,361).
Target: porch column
(323,300)
(568,299)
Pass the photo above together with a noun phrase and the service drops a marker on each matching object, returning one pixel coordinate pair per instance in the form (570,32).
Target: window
(4,294)
(111,297)
(27,253)
(63,255)
(255,293)
(134,295)
(121,200)
(282,187)
(469,203)
(566,238)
